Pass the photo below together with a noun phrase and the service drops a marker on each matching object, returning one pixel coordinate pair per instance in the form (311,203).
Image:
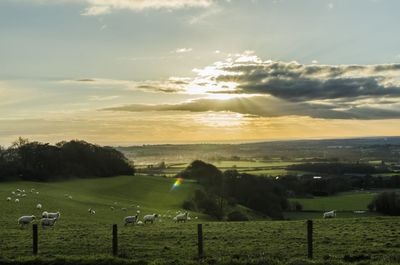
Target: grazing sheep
(33,189)
(8,199)
(131,219)
(137,211)
(70,197)
(48,222)
(18,190)
(150,218)
(330,214)
(37,193)
(39,206)
(16,200)
(23,191)
(23,195)
(182,217)
(51,215)
(91,211)
(13,192)
(25,220)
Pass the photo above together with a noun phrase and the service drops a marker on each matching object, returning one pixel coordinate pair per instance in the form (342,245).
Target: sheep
(37,193)
(25,220)
(131,219)
(16,200)
(13,192)
(23,195)
(182,217)
(23,191)
(91,211)
(32,190)
(70,197)
(330,214)
(48,222)
(8,199)
(51,215)
(150,218)
(18,190)
(38,206)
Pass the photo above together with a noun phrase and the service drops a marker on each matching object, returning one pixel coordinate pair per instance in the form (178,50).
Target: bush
(386,203)
(189,205)
(237,216)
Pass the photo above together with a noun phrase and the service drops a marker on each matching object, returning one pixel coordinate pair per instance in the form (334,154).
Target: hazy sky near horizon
(172,71)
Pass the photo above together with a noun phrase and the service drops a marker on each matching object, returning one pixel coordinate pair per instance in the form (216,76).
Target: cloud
(264,106)
(271,88)
(99,7)
(183,50)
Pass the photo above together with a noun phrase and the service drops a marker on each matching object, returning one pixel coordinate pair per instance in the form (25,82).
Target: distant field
(346,201)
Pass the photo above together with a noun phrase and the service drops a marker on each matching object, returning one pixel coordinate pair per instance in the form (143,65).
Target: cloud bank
(270,88)
(99,7)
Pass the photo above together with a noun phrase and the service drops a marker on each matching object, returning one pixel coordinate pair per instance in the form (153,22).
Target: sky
(123,72)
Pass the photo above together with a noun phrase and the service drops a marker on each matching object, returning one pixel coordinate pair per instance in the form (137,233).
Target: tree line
(36,161)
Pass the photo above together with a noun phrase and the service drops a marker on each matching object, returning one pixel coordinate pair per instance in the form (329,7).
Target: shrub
(386,203)
(237,216)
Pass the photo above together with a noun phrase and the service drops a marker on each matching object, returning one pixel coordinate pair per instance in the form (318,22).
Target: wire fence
(283,240)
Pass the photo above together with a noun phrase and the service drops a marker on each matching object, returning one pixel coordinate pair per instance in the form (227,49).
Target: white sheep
(182,217)
(150,218)
(70,197)
(8,199)
(330,214)
(25,220)
(16,200)
(38,206)
(48,221)
(33,189)
(37,193)
(13,192)
(23,191)
(131,219)
(51,215)
(23,195)
(91,211)
(18,190)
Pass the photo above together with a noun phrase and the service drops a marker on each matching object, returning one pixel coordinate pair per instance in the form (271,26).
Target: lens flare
(177,183)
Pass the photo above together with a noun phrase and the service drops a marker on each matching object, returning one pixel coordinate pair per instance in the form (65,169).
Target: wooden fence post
(115,240)
(200,241)
(310,238)
(35,239)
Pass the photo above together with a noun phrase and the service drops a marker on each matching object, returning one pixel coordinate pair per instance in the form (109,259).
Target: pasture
(79,233)
(345,201)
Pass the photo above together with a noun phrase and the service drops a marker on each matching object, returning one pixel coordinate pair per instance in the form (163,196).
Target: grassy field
(80,234)
(345,201)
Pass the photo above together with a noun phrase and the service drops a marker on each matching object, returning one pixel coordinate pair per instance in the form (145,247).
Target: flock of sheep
(48,219)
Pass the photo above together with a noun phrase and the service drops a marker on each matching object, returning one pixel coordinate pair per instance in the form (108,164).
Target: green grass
(79,234)
(346,201)
(152,194)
